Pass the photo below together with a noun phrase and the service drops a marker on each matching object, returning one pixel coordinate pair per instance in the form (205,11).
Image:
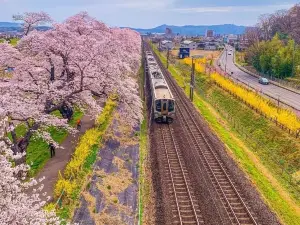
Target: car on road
(229,53)
(263,80)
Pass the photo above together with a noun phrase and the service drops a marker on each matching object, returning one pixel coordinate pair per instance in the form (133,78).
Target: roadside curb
(255,75)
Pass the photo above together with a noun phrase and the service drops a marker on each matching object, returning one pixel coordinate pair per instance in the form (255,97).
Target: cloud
(146,4)
(232,9)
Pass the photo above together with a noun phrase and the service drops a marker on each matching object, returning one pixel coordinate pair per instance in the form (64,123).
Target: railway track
(234,204)
(185,209)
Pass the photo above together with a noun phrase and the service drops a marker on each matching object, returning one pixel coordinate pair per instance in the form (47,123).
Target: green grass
(279,204)
(38,150)
(78,114)
(144,184)
(14,41)
(240,58)
(274,145)
(57,114)
(91,159)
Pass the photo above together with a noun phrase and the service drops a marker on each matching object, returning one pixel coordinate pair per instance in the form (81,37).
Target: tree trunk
(20,146)
(52,77)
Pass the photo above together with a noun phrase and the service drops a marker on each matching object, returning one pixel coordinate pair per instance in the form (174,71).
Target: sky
(150,13)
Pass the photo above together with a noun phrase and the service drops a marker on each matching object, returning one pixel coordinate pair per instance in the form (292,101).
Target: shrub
(283,116)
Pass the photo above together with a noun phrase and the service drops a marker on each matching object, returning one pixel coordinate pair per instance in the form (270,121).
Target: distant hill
(183,30)
(16,27)
(196,30)
(9,24)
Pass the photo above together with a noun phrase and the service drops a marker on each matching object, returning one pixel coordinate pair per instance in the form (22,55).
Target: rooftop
(187,42)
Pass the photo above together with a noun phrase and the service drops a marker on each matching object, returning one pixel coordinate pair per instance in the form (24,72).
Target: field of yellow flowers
(282,116)
(87,148)
(199,64)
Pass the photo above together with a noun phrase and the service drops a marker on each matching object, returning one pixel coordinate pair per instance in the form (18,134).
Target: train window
(171,106)
(158,105)
(164,106)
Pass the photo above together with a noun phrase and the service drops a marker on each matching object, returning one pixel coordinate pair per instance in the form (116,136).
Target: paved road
(276,92)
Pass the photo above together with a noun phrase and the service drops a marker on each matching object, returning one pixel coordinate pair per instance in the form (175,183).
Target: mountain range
(189,30)
(16,27)
(192,30)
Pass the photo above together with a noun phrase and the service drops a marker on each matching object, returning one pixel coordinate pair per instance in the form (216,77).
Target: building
(201,44)
(231,39)
(168,31)
(184,53)
(210,46)
(165,45)
(189,44)
(209,33)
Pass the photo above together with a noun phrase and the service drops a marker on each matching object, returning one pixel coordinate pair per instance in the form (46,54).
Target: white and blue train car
(163,102)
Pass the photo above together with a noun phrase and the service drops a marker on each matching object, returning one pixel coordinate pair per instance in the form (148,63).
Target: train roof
(162,90)
(160,86)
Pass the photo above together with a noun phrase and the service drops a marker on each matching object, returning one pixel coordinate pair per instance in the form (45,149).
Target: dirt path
(62,157)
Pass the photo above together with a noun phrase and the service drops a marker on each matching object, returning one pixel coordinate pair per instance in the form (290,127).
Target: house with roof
(189,44)
(165,45)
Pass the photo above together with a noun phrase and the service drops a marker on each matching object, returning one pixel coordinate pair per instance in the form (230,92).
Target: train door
(164,108)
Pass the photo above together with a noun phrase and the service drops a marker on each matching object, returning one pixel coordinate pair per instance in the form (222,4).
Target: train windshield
(158,105)
(164,106)
(171,106)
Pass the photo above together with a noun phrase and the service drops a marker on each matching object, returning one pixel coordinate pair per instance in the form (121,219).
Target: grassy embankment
(13,41)
(38,150)
(240,58)
(263,151)
(78,171)
(144,183)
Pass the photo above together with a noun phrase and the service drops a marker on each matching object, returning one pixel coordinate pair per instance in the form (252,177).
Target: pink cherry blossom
(76,62)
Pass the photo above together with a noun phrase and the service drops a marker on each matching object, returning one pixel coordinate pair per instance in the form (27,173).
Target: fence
(286,169)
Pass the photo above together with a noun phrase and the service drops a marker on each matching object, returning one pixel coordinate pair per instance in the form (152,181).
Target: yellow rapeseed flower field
(199,64)
(87,141)
(284,116)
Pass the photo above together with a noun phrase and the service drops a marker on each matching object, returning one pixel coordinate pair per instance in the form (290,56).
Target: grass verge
(263,170)
(144,183)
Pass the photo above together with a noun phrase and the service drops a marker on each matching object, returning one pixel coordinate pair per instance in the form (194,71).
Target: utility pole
(293,69)
(192,82)
(225,59)
(168,55)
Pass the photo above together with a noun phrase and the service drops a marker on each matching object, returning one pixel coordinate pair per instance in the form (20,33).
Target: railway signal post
(168,55)
(192,82)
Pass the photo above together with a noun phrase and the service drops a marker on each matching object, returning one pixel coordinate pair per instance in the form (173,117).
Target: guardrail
(257,76)
(277,100)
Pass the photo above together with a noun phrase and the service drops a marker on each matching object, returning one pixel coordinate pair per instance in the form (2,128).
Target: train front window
(164,106)
(171,106)
(158,105)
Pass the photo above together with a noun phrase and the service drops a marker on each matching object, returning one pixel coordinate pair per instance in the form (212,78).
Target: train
(163,102)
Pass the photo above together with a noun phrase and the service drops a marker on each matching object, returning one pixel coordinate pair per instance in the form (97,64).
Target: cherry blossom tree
(76,62)
(17,207)
(31,20)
